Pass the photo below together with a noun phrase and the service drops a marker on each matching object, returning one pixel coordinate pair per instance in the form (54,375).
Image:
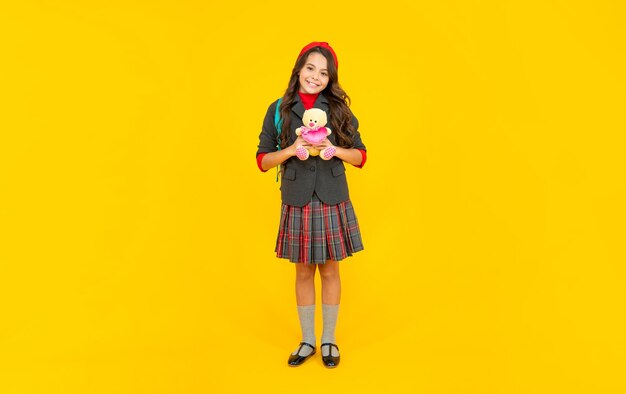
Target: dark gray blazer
(300,178)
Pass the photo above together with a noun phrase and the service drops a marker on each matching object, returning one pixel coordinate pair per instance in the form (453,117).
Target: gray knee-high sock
(307,324)
(329,315)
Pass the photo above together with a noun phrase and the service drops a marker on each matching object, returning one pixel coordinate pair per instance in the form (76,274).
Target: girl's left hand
(324,144)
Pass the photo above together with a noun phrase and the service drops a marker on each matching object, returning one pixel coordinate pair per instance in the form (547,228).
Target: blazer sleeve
(268,139)
(357,142)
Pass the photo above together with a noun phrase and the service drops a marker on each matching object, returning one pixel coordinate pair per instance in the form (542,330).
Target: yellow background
(137,233)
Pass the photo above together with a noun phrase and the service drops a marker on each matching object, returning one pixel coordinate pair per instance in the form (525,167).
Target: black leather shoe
(330,361)
(297,359)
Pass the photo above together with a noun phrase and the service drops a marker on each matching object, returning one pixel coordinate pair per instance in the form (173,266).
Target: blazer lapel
(298,107)
(322,103)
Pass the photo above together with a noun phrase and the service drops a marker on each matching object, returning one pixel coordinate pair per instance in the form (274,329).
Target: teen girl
(318,226)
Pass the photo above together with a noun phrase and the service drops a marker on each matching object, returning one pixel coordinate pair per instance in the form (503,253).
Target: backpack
(278,122)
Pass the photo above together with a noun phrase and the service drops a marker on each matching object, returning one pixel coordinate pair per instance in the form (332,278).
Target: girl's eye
(324,74)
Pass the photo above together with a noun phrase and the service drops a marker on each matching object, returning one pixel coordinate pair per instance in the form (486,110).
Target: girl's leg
(331,294)
(305,284)
(331,283)
(305,298)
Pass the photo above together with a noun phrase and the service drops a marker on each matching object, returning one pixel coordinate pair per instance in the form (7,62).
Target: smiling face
(314,75)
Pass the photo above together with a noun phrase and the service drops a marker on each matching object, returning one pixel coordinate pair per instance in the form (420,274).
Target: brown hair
(338,101)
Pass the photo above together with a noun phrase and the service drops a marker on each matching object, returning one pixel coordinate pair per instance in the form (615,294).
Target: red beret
(320,44)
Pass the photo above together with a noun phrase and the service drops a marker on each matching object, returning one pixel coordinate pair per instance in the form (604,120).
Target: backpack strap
(278,122)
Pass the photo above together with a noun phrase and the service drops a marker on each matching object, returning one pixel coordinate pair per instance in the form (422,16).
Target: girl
(318,226)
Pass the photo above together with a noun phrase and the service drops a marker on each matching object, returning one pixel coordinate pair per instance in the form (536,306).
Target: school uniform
(317,220)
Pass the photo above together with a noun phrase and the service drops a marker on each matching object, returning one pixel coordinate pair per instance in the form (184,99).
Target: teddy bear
(314,132)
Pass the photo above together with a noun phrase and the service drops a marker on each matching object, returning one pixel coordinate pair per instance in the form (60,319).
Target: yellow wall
(137,234)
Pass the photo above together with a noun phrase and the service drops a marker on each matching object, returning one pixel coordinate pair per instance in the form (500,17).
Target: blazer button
(312,168)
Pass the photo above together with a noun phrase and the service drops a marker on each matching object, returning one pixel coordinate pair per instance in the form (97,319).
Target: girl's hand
(298,142)
(327,149)
(324,144)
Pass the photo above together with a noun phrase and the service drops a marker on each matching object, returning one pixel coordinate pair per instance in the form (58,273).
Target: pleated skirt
(318,232)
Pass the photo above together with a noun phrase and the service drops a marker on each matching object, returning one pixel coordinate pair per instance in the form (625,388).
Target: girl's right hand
(298,142)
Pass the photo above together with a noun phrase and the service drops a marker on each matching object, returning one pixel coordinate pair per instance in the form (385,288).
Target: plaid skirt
(318,232)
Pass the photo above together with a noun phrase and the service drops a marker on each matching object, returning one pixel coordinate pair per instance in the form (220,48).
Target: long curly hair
(338,101)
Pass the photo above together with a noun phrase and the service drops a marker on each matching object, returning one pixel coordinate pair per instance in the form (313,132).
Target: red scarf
(308,99)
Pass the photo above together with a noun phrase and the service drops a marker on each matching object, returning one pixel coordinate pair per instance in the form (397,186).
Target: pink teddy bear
(314,132)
